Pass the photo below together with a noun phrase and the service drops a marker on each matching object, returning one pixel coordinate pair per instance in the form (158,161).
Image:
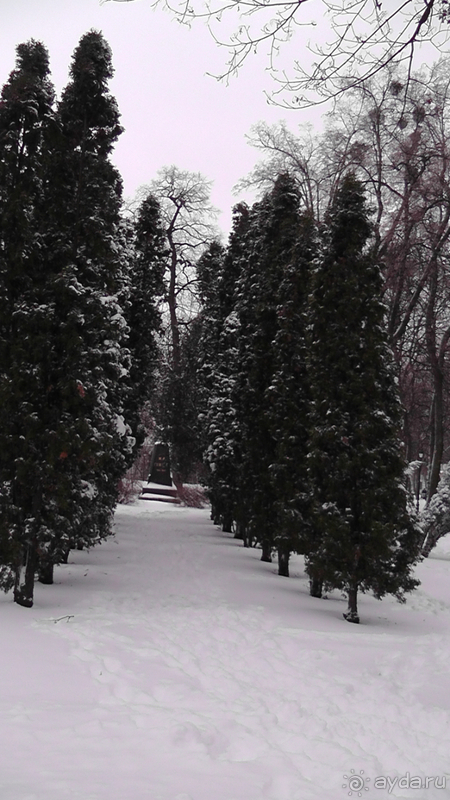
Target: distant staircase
(156,491)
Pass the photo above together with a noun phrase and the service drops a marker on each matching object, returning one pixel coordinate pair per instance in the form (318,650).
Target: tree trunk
(266,554)
(24,583)
(315,587)
(352,612)
(215,516)
(227,523)
(239,532)
(242,533)
(248,540)
(283,562)
(45,571)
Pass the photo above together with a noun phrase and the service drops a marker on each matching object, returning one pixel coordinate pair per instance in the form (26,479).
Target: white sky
(172,111)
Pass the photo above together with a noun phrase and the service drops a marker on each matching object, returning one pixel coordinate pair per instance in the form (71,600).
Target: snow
(169,663)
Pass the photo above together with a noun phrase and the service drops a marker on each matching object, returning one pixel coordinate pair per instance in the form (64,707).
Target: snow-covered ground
(171,664)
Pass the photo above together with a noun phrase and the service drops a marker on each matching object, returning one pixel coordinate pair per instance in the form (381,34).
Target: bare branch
(364,39)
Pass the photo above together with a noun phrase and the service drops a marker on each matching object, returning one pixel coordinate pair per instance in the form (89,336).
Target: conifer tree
(272,381)
(26,320)
(288,394)
(210,276)
(363,536)
(63,361)
(143,314)
(86,245)
(218,275)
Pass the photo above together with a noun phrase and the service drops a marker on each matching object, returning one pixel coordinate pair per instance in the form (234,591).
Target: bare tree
(189,221)
(362,37)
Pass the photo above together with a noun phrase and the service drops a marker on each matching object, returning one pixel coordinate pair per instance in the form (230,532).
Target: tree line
(74,370)
(299,403)
(266,364)
(95,297)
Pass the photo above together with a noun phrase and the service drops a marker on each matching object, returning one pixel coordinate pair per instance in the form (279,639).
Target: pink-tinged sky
(172,111)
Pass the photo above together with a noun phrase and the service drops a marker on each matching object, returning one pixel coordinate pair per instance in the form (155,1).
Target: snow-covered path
(171,664)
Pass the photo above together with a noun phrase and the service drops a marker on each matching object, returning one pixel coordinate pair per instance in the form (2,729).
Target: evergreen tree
(288,394)
(435,518)
(189,405)
(143,313)
(86,246)
(271,387)
(63,362)
(27,511)
(363,537)
(218,275)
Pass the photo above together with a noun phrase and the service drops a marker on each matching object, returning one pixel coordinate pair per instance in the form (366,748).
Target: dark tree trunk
(227,523)
(283,562)
(266,554)
(80,546)
(242,533)
(24,583)
(239,532)
(45,571)
(315,587)
(215,516)
(352,612)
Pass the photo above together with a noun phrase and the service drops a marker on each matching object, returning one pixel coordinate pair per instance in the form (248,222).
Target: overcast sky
(172,111)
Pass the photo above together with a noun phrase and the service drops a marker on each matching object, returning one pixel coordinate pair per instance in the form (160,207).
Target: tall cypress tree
(26,320)
(363,537)
(218,278)
(272,384)
(63,357)
(143,314)
(85,241)
(288,394)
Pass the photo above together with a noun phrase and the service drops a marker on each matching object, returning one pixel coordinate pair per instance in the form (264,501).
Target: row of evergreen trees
(299,402)
(294,394)
(73,278)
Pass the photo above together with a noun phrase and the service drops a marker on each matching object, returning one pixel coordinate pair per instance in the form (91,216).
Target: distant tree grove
(267,364)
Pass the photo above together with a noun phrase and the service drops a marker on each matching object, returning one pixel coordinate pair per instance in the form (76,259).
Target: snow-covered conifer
(143,313)
(218,274)
(271,384)
(26,321)
(63,360)
(86,242)
(287,396)
(435,519)
(363,538)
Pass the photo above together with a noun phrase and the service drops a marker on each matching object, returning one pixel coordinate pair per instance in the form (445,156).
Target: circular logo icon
(356,783)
